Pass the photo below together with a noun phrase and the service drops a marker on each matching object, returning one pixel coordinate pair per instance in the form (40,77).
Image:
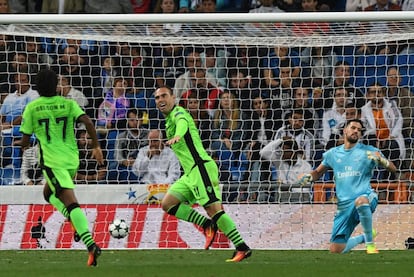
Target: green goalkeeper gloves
(378,159)
(306,179)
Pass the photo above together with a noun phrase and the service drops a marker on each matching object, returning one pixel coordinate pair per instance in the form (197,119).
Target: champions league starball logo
(153,195)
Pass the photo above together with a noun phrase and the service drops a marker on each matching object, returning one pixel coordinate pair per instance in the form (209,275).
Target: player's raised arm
(96,151)
(381,160)
(312,176)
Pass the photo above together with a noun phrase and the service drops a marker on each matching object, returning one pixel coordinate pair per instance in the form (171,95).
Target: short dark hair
(46,81)
(139,113)
(167,87)
(290,142)
(342,62)
(355,120)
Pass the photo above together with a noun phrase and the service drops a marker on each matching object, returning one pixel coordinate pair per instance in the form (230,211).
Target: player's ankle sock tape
(217,216)
(72,206)
(173,209)
(242,247)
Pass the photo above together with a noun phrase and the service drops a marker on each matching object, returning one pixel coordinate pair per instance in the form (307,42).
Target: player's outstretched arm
(309,178)
(180,130)
(96,151)
(381,160)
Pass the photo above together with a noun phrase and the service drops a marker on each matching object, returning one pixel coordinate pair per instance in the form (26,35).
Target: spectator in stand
(281,95)
(247,58)
(12,108)
(403,98)
(5,49)
(128,143)
(287,157)
(289,5)
(86,50)
(4,6)
(11,112)
(30,171)
(301,100)
(113,110)
(407,5)
(24,6)
(184,82)
(166,7)
(383,5)
(213,6)
(310,28)
(108,6)
(135,65)
(239,85)
(294,127)
(202,120)
(383,123)
(36,58)
(341,78)
(231,130)
(214,61)
(267,6)
(169,64)
(107,73)
(380,26)
(272,64)
(358,5)
(142,6)
(334,117)
(89,171)
(17,63)
(66,90)
(317,64)
(156,163)
(208,6)
(67,6)
(204,90)
(265,123)
(75,66)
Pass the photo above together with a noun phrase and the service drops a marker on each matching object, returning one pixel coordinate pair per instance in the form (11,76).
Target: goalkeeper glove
(378,159)
(306,179)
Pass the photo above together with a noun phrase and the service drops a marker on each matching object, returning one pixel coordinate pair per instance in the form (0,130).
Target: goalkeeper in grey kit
(353,164)
(200,182)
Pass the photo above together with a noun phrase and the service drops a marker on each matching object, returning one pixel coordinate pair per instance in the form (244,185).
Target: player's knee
(170,204)
(336,249)
(362,200)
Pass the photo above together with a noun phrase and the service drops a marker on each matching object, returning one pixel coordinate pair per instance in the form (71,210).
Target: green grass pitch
(211,263)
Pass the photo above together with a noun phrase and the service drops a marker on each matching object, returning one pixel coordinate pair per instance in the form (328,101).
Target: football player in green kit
(200,181)
(51,118)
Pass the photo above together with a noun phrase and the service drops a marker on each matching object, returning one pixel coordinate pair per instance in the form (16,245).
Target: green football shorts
(200,186)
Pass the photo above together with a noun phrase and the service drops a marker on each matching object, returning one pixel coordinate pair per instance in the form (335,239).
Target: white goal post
(270,213)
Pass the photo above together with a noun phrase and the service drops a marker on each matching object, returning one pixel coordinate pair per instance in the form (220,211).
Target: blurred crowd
(185,6)
(265,113)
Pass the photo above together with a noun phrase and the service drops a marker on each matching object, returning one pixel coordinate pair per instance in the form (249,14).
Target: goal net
(265,90)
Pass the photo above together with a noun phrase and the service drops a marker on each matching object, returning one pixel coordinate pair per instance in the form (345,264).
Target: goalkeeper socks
(227,226)
(365,217)
(80,222)
(352,242)
(58,205)
(185,212)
